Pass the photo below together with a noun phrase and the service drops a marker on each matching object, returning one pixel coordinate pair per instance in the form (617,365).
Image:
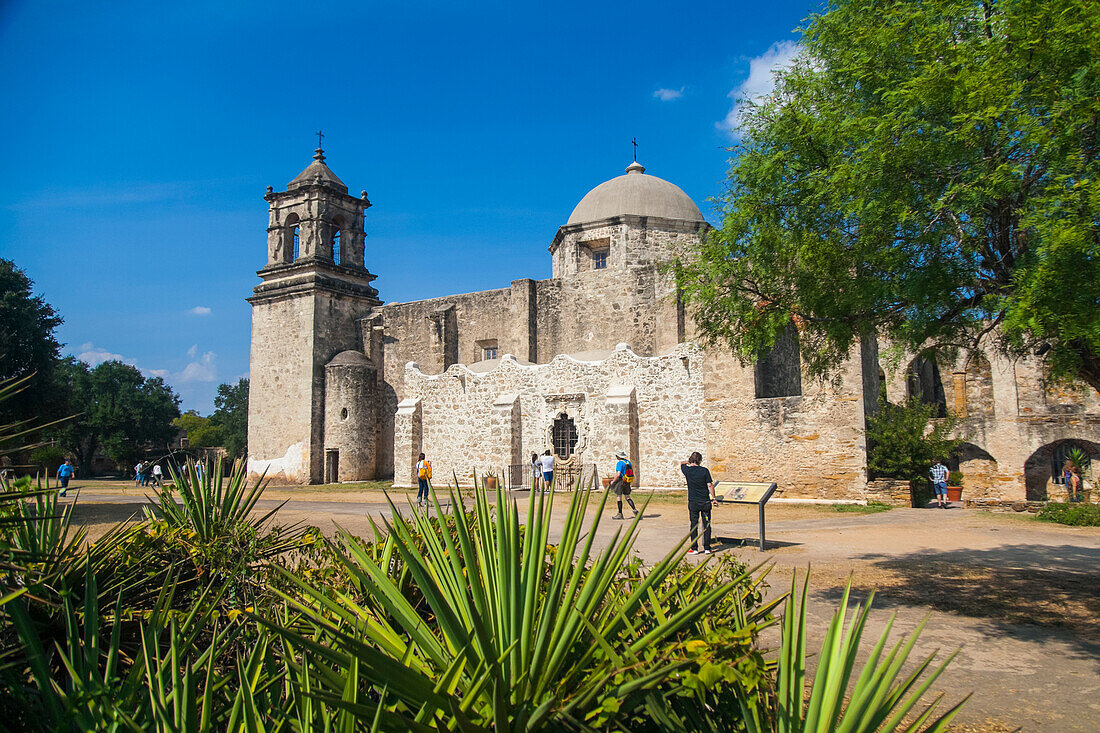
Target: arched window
(779,372)
(290,228)
(336,247)
(565,436)
(924,384)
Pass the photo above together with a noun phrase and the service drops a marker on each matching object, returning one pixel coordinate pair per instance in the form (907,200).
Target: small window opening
(924,384)
(294,249)
(344,414)
(564,435)
(779,371)
(487,348)
(599,259)
(336,247)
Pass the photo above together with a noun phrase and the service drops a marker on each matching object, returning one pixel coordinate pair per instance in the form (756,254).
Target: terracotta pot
(954,493)
(491,483)
(606,481)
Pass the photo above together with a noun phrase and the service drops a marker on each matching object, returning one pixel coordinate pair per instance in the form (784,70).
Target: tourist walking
(624,479)
(938,473)
(158,476)
(701,498)
(137,473)
(1072,478)
(547,464)
(536,471)
(65,472)
(423,480)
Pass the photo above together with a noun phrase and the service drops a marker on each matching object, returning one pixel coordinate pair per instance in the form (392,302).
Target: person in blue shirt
(622,483)
(65,472)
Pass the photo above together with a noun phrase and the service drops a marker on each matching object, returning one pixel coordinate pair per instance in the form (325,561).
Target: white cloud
(193,350)
(162,373)
(667,95)
(760,82)
(93,356)
(199,310)
(202,369)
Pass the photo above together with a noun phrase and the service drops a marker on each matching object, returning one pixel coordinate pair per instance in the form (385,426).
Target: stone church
(599,357)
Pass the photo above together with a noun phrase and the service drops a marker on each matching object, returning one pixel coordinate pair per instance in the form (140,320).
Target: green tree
(927,171)
(118,410)
(231,416)
(27,346)
(202,432)
(904,440)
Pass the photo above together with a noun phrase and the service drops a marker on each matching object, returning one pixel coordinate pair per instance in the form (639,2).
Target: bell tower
(315,288)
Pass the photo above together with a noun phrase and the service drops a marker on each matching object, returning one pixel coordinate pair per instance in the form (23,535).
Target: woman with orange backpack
(423,478)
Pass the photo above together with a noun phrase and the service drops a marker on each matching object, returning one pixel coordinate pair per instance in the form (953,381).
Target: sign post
(746,492)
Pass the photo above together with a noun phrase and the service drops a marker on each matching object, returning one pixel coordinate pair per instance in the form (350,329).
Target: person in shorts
(938,474)
(701,497)
(547,462)
(621,486)
(65,472)
(536,471)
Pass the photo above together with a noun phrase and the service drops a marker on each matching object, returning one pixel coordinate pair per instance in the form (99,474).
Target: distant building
(596,358)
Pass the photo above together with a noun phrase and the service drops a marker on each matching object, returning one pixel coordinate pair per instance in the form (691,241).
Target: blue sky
(139,139)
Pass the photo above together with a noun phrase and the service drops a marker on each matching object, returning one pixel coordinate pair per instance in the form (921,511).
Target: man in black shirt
(700,497)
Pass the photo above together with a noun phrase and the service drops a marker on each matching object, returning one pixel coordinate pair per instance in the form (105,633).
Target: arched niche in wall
(979,387)
(1043,468)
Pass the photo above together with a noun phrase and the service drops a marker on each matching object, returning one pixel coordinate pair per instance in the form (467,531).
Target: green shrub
(906,439)
(1075,515)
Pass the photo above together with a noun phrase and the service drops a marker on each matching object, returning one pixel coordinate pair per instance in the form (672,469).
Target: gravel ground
(1017,598)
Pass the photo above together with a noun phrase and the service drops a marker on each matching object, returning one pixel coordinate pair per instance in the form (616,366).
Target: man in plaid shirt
(938,473)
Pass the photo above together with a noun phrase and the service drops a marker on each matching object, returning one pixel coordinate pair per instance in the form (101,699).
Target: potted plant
(1083,463)
(606,480)
(955,486)
(489,479)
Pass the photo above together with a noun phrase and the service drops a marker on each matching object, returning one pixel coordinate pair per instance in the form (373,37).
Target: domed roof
(638,194)
(317,171)
(349,358)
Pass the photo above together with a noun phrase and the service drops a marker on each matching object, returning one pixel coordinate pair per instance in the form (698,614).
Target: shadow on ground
(85,513)
(1021,590)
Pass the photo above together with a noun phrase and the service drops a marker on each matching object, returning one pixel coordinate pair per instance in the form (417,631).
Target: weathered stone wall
(351,419)
(470,419)
(812,445)
(1011,420)
(302,316)
(280,390)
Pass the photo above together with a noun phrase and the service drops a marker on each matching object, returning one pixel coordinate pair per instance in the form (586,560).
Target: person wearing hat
(622,483)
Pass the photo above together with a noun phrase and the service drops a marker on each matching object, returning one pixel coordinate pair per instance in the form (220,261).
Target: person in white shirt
(157,475)
(547,462)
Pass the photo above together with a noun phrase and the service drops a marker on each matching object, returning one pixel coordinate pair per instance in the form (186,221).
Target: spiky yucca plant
(512,633)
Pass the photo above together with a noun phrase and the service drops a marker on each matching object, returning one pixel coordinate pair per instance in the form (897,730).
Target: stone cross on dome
(319,153)
(635,143)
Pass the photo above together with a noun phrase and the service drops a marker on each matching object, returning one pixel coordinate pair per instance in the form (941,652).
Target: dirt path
(1020,599)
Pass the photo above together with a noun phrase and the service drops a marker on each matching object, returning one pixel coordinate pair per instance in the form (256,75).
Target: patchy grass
(1075,515)
(871,507)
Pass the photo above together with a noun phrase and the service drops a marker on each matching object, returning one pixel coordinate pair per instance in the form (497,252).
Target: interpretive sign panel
(746,492)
